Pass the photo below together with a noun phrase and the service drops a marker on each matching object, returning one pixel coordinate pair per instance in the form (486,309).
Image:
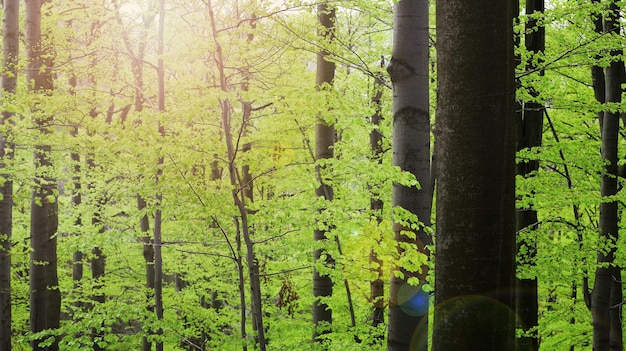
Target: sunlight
(139,11)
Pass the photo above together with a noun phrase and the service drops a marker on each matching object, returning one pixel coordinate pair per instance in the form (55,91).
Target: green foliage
(118,149)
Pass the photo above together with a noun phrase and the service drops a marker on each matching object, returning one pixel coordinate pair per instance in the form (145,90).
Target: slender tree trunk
(408,69)
(97,266)
(475,251)
(242,288)
(45,297)
(530,129)
(597,72)
(77,256)
(137,63)
(216,174)
(377,286)
(238,193)
(324,141)
(10,36)
(246,185)
(158,257)
(148,256)
(603,282)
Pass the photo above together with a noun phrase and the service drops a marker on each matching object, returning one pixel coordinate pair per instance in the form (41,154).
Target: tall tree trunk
(597,72)
(530,129)
(96,263)
(377,286)
(475,251)
(137,65)
(616,299)
(238,192)
(45,297)
(324,141)
(603,282)
(148,256)
(158,257)
(408,69)
(10,40)
(77,256)
(615,309)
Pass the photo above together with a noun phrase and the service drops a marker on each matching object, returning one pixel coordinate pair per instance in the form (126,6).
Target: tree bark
(158,257)
(408,69)
(530,129)
(475,132)
(148,256)
(324,141)
(615,311)
(10,39)
(45,297)
(609,221)
(137,65)
(238,193)
(377,286)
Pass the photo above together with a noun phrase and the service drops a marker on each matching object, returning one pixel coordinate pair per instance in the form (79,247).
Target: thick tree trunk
(324,140)
(615,305)
(45,297)
(10,40)
(603,282)
(408,69)
(475,132)
(530,129)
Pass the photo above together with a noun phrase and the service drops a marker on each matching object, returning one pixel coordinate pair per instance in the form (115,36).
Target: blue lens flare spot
(413,300)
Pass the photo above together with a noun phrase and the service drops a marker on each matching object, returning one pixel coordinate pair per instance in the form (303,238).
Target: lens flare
(413,300)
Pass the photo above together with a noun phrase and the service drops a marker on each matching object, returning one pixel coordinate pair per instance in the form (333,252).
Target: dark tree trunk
(603,282)
(325,139)
(530,129)
(377,286)
(408,69)
(10,36)
(97,262)
(615,304)
(475,132)
(77,256)
(45,297)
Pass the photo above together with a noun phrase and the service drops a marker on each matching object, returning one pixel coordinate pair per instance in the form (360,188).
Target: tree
(604,338)
(10,37)
(324,141)
(475,239)
(137,67)
(412,204)
(158,214)
(238,185)
(377,286)
(529,135)
(45,297)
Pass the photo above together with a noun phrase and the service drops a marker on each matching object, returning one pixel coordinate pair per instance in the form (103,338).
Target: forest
(312,175)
